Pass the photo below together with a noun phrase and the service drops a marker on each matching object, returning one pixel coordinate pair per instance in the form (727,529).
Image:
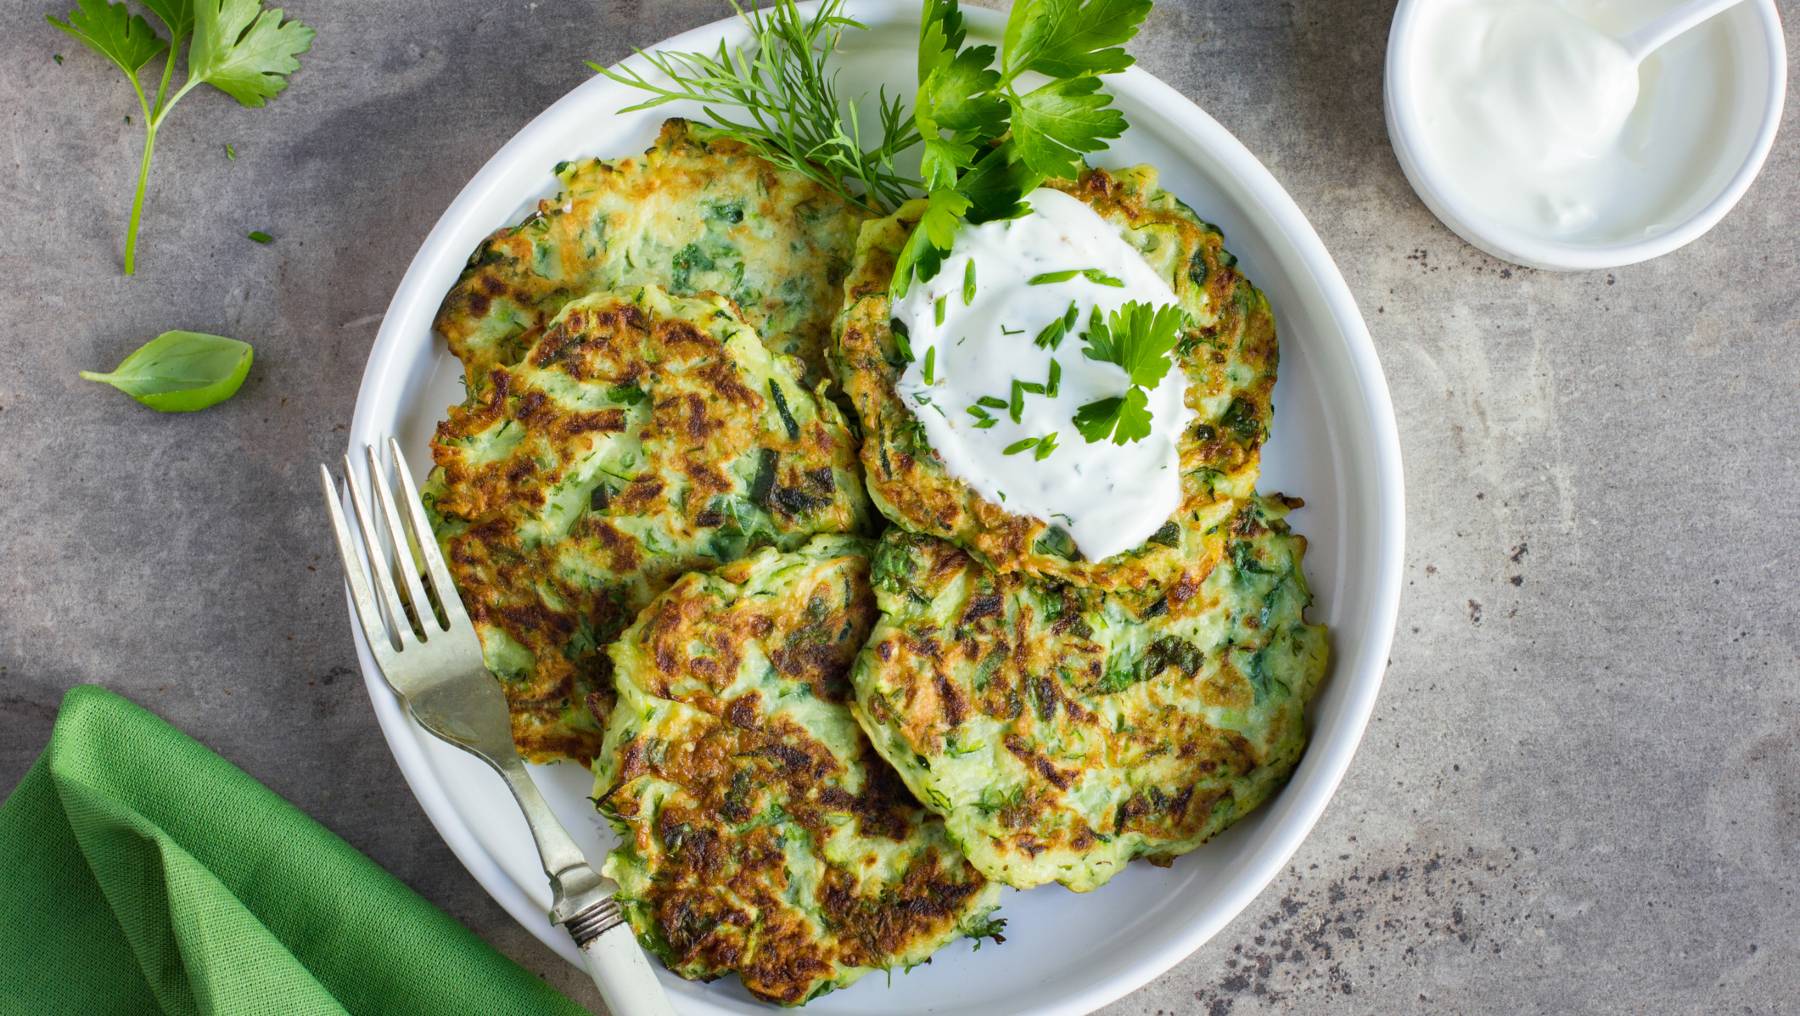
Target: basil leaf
(180,372)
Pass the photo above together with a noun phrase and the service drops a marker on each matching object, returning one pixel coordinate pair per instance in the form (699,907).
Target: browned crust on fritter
(698,421)
(626,222)
(720,895)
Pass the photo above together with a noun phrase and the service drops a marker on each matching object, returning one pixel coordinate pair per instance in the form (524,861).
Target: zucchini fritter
(1062,732)
(695,213)
(643,436)
(759,832)
(1229,360)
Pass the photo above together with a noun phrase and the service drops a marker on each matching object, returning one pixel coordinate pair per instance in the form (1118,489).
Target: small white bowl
(1759,85)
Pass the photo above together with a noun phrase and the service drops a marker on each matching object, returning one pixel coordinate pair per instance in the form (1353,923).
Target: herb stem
(137,202)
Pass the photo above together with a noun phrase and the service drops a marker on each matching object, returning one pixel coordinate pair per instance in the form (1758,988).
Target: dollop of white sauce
(1109,498)
(1525,104)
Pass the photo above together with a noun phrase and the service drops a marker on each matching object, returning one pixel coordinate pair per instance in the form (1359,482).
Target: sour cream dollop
(977,333)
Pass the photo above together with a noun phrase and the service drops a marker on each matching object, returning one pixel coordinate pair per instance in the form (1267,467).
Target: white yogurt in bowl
(1527,128)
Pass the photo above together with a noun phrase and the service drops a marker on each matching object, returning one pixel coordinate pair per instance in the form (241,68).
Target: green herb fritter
(696,213)
(1062,732)
(760,834)
(1228,358)
(642,437)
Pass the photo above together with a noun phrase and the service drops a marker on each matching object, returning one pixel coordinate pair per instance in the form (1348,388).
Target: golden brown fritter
(760,834)
(1229,360)
(695,213)
(642,437)
(1062,731)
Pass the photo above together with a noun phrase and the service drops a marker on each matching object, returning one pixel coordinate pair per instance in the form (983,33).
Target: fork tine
(374,627)
(443,588)
(403,560)
(399,625)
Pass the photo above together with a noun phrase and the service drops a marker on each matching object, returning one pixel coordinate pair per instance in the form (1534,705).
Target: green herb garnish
(790,111)
(1044,446)
(902,339)
(236,46)
(937,310)
(180,372)
(258,236)
(1052,335)
(983,419)
(986,144)
(969,283)
(1054,384)
(1137,337)
(928,371)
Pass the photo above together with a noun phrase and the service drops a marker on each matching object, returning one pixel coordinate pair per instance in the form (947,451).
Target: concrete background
(1581,789)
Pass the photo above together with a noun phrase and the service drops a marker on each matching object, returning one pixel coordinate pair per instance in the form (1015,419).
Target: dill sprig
(790,111)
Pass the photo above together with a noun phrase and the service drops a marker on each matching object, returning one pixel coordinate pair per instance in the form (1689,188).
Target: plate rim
(1364,673)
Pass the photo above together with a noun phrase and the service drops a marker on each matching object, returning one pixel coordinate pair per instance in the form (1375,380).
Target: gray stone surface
(1581,789)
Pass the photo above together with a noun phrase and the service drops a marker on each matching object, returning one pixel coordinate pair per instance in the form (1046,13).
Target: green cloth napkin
(140,872)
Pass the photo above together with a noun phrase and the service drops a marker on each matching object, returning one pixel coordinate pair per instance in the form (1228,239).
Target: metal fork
(427,649)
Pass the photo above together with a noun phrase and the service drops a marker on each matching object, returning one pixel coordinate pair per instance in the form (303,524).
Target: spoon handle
(1654,35)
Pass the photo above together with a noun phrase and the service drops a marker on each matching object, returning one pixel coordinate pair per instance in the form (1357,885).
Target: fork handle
(619,968)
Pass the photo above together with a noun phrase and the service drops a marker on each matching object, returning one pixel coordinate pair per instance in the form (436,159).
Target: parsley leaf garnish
(990,143)
(236,46)
(1068,38)
(1122,418)
(1137,337)
(1055,125)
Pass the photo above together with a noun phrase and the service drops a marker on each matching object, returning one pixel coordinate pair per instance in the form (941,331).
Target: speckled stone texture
(1581,789)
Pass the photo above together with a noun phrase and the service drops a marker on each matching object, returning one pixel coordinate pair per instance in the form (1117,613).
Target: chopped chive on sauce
(1011,331)
(991,402)
(937,310)
(929,370)
(902,339)
(969,283)
(1054,385)
(1041,448)
(1100,278)
(1051,278)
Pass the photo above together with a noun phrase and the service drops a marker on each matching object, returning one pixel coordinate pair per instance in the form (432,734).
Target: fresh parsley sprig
(236,46)
(1138,337)
(987,143)
(787,105)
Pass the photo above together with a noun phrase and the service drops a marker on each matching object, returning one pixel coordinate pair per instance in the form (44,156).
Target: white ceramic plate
(1334,444)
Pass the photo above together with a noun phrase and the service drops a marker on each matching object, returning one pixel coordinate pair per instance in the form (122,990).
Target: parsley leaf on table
(243,50)
(236,46)
(115,33)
